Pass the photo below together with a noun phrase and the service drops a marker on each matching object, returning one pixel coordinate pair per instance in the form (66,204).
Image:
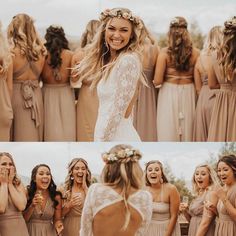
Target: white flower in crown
(129,152)
(112,157)
(121,153)
(174,21)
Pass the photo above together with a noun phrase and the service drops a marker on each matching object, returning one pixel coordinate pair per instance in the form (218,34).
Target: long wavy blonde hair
(227,53)
(5,55)
(16,179)
(122,170)
(95,64)
(22,34)
(69,181)
(180,44)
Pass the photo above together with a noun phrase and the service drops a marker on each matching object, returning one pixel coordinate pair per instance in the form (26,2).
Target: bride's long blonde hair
(95,64)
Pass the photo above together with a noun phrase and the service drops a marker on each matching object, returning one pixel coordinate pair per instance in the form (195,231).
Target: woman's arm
(10,78)
(174,209)
(58,215)
(3,189)
(160,69)
(197,77)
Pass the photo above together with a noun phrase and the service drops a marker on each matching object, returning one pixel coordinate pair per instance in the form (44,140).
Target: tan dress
(223,122)
(27,107)
(196,212)
(225,226)
(59,112)
(86,113)
(72,222)
(12,222)
(204,108)
(6,112)
(145,109)
(42,224)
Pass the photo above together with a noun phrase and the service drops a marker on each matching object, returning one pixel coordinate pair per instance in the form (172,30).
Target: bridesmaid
(87,104)
(12,199)
(28,60)
(6,114)
(223,71)
(76,186)
(166,202)
(43,210)
(206,97)
(203,181)
(223,199)
(58,96)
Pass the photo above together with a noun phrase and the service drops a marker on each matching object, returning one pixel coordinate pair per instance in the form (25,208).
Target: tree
(196,34)
(228,148)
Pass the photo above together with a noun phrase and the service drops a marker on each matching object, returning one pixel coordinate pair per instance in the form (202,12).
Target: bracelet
(158,86)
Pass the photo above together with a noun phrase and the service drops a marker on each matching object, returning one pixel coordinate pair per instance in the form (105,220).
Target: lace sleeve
(126,75)
(87,214)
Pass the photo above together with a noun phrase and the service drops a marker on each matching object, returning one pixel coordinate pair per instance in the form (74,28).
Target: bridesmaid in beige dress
(76,186)
(43,210)
(87,104)
(6,114)
(58,96)
(223,199)
(145,108)
(12,199)
(203,180)
(166,201)
(206,97)
(28,60)
(223,126)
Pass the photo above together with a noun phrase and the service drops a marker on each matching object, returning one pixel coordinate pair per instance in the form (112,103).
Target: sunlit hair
(22,34)
(124,172)
(179,44)
(16,180)
(227,53)
(32,187)
(55,42)
(229,160)
(5,55)
(165,180)
(90,31)
(213,40)
(69,181)
(213,179)
(97,54)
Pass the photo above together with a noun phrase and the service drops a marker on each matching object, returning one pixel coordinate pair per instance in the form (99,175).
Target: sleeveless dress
(196,211)
(100,196)
(114,95)
(204,108)
(224,224)
(6,112)
(59,112)
(223,126)
(12,222)
(27,104)
(72,221)
(42,224)
(160,219)
(176,108)
(145,109)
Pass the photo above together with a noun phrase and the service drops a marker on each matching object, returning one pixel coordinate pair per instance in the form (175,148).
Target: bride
(113,64)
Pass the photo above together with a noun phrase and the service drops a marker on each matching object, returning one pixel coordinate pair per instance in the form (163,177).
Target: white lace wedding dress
(100,196)
(115,94)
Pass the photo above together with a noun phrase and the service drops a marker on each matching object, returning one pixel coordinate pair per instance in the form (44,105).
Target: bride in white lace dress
(113,64)
(118,206)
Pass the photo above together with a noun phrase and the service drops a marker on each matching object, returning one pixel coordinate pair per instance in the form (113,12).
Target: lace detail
(100,196)
(120,86)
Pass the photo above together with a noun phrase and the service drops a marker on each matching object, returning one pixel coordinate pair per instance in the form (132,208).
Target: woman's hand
(3,175)
(59,227)
(84,184)
(11,175)
(183,207)
(37,200)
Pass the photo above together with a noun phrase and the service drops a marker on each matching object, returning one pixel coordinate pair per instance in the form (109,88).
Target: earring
(72,178)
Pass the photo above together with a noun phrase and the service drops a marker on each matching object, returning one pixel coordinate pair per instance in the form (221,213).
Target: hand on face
(11,175)
(3,175)
(84,184)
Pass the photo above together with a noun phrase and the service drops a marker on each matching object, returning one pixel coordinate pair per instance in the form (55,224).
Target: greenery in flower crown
(124,156)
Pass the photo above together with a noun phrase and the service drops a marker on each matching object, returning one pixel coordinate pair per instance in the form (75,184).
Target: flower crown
(230,25)
(125,155)
(117,12)
(176,22)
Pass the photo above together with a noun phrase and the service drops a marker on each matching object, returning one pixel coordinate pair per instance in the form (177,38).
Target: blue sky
(74,14)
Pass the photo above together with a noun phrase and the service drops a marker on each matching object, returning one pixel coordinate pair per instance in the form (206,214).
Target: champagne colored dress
(12,222)
(42,224)
(225,226)
(27,102)
(223,126)
(6,112)
(196,212)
